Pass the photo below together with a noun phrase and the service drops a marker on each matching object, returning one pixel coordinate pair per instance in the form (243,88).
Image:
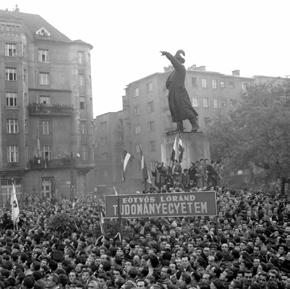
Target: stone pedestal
(196,147)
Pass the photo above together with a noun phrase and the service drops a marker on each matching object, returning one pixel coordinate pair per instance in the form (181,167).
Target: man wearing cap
(178,99)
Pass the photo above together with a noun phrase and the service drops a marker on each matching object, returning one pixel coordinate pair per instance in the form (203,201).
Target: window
(105,156)
(43,55)
(222,84)
(136,110)
(203,83)
(151,125)
(44,78)
(10,49)
(12,126)
(10,74)
(194,101)
(44,99)
(152,146)
(215,103)
(13,154)
(232,84)
(81,57)
(214,83)
(138,148)
(150,106)
(82,102)
(103,125)
(81,80)
(44,125)
(136,91)
(149,86)
(11,99)
(194,82)
(46,152)
(103,141)
(138,129)
(205,102)
(84,153)
(244,86)
(83,127)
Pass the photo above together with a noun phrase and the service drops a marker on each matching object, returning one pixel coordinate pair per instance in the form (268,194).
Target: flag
(116,193)
(99,241)
(14,206)
(118,237)
(126,160)
(177,150)
(102,221)
(145,172)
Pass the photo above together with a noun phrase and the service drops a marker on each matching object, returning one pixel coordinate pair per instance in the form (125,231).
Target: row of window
(43,77)
(205,83)
(150,108)
(46,153)
(206,103)
(43,54)
(12,127)
(11,100)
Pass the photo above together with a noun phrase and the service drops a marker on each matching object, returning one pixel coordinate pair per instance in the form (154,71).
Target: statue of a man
(178,99)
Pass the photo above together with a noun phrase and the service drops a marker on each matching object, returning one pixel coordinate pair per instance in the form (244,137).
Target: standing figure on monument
(178,99)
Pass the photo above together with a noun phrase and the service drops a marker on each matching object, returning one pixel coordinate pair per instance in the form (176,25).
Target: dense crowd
(247,246)
(200,174)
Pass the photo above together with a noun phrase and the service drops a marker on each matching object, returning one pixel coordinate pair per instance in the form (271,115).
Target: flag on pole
(102,220)
(14,206)
(145,172)
(118,237)
(115,191)
(177,150)
(99,241)
(127,158)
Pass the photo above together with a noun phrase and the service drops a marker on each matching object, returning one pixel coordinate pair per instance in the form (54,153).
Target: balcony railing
(59,163)
(41,163)
(50,109)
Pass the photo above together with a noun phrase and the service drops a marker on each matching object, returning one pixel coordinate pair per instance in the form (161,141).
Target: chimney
(236,72)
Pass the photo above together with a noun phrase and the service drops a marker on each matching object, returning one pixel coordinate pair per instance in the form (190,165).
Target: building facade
(46,122)
(146,116)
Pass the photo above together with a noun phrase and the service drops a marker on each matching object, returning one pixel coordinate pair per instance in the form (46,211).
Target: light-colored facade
(46,122)
(146,116)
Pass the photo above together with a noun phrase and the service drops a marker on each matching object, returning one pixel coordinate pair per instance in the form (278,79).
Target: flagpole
(120,217)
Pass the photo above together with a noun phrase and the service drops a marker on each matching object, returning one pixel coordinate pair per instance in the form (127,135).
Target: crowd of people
(246,246)
(200,174)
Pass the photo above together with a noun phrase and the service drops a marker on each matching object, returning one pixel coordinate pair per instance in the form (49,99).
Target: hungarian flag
(102,221)
(145,172)
(127,158)
(14,206)
(177,150)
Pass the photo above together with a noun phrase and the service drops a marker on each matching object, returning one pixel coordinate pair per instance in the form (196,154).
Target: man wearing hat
(178,99)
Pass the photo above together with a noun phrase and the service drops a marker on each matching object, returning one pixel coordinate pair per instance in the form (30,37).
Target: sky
(128,35)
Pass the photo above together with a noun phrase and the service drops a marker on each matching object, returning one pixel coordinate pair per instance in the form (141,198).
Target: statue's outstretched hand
(163,53)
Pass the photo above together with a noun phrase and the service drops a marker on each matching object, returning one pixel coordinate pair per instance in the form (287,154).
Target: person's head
(72,276)
(206,278)
(185,262)
(51,281)
(164,273)
(262,279)
(248,276)
(141,284)
(179,57)
(102,281)
(93,284)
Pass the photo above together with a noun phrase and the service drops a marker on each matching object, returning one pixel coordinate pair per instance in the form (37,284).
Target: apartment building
(46,122)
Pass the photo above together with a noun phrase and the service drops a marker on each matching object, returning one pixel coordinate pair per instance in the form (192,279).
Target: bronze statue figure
(178,99)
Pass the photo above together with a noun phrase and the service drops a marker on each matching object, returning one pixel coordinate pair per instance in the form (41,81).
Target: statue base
(195,144)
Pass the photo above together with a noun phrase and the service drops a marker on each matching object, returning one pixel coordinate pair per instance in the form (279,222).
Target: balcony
(41,163)
(40,109)
(65,162)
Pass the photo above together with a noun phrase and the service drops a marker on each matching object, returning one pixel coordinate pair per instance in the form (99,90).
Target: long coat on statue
(178,99)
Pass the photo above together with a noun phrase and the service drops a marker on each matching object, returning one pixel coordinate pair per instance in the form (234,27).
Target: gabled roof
(33,23)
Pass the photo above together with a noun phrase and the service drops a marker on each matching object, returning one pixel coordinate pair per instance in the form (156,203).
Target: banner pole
(120,217)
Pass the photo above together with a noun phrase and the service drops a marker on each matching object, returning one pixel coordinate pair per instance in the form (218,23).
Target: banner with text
(183,204)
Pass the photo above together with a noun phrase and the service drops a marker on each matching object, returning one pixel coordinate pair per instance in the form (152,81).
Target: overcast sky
(127,35)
